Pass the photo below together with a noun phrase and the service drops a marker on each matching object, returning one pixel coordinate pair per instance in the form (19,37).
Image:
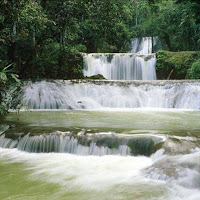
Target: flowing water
(103,140)
(138,64)
(121,66)
(143,45)
(105,95)
(140,154)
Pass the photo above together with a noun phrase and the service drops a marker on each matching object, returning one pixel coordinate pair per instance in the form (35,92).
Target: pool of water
(139,121)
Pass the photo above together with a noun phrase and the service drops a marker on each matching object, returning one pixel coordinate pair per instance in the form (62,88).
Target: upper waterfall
(121,66)
(145,45)
(139,64)
(142,45)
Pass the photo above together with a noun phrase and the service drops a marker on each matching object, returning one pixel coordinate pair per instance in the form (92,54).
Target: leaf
(3,77)
(5,68)
(15,77)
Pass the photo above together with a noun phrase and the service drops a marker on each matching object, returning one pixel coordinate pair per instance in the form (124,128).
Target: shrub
(194,71)
(175,64)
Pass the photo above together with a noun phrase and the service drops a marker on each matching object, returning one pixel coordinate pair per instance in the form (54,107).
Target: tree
(176,25)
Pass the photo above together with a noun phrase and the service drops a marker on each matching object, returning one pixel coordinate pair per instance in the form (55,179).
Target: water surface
(171,172)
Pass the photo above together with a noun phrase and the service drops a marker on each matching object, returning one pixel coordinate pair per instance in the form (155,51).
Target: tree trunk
(14,30)
(34,36)
(136,14)
(44,3)
(12,45)
(62,38)
(152,41)
(167,40)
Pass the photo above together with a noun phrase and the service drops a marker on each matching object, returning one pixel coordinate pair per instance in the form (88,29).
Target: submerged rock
(183,169)
(3,128)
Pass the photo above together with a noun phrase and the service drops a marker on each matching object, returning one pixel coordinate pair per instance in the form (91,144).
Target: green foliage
(175,64)
(70,65)
(176,24)
(7,77)
(7,74)
(57,63)
(42,37)
(194,71)
(2,110)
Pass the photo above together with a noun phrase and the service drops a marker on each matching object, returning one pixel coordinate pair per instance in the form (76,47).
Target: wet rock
(98,76)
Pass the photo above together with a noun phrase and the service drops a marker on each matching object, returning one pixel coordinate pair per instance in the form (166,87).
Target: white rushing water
(121,66)
(145,45)
(90,144)
(62,144)
(142,45)
(100,95)
(138,64)
(114,177)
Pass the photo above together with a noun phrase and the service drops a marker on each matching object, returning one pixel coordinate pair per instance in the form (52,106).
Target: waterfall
(121,66)
(94,95)
(139,64)
(89,144)
(145,45)
(142,45)
(7,142)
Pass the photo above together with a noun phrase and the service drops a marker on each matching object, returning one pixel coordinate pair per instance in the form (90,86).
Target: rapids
(142,154)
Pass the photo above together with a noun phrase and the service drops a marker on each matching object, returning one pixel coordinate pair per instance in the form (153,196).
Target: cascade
(138,64)
(145,45)
(79,144)
(79,95)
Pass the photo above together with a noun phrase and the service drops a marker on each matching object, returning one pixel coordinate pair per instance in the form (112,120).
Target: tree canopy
(40,38)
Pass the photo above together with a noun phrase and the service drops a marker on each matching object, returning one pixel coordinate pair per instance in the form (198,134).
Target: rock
(98,76)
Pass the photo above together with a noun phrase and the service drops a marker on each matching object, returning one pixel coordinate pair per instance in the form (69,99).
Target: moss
(110,142)
(142,146)
(175,65)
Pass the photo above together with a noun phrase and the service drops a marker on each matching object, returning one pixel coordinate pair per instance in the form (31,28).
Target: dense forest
(41,38)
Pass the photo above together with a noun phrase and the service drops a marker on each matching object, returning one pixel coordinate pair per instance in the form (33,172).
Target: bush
(175,65)
(194,71)
(2,110)
(7,78)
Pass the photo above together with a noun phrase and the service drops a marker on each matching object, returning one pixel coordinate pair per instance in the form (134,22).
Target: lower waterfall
(94,154)
(80,144)
(75,95)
